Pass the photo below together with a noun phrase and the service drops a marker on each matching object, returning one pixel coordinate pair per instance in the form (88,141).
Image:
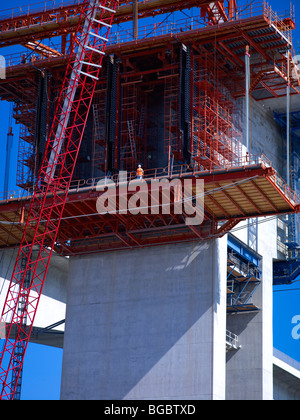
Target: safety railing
(18,58)
(165,27)
(166,172)
(232,341)
(246,270)
(283,186)
(39,7)
(243,11)
(45,6)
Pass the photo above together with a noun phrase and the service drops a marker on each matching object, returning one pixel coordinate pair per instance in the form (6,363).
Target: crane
(44,216)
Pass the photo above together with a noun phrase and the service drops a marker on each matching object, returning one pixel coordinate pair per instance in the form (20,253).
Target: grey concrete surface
(147,324)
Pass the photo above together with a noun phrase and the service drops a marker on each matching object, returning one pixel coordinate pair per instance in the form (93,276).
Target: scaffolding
(26,158)
(129,126)
(167,90)
(216,139)
(201,123)
(25,115)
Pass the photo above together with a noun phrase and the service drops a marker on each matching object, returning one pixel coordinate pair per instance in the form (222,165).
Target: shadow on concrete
(139,324)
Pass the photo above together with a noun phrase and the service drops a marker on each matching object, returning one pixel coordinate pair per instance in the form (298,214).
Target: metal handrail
(42,6)
(232,340)
(150,31)
(165,172)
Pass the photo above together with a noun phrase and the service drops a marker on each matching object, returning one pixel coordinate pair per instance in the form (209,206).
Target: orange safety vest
(139,171)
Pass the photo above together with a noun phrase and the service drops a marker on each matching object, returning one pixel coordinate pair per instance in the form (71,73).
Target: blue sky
(42,365)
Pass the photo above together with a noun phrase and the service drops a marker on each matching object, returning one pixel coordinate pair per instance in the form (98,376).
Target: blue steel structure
(243,276)
(287,271)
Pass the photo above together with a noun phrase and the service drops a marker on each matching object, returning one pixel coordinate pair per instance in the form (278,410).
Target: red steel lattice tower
(44,216)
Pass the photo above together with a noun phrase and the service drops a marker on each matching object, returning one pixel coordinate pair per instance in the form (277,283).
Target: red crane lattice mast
(54,178)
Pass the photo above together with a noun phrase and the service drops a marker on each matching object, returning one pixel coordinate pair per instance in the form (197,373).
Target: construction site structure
(173,95)
(54,178)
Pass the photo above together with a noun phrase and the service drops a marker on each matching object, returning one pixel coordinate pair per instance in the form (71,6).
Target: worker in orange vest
(139,172)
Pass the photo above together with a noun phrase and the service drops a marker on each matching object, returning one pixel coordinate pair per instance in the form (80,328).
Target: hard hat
(140,166)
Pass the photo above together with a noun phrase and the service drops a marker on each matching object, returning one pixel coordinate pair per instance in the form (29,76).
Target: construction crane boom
(43,219)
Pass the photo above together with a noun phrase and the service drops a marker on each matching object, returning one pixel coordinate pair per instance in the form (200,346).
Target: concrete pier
(147,324)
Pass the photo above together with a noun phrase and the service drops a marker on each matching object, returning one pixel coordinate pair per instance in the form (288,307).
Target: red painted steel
(215,147)
(54,179)
(216,137)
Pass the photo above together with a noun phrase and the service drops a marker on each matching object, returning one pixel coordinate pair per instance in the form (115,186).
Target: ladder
(50,194)
(132,138)
(142,122)
(96,122)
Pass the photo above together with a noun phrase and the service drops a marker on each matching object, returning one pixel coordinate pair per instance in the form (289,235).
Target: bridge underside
(228,197)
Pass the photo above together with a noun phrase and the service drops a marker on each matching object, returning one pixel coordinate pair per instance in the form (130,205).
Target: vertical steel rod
(247,93)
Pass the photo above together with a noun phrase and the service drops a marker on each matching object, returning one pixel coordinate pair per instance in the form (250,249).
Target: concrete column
(249,371)
(147,324)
